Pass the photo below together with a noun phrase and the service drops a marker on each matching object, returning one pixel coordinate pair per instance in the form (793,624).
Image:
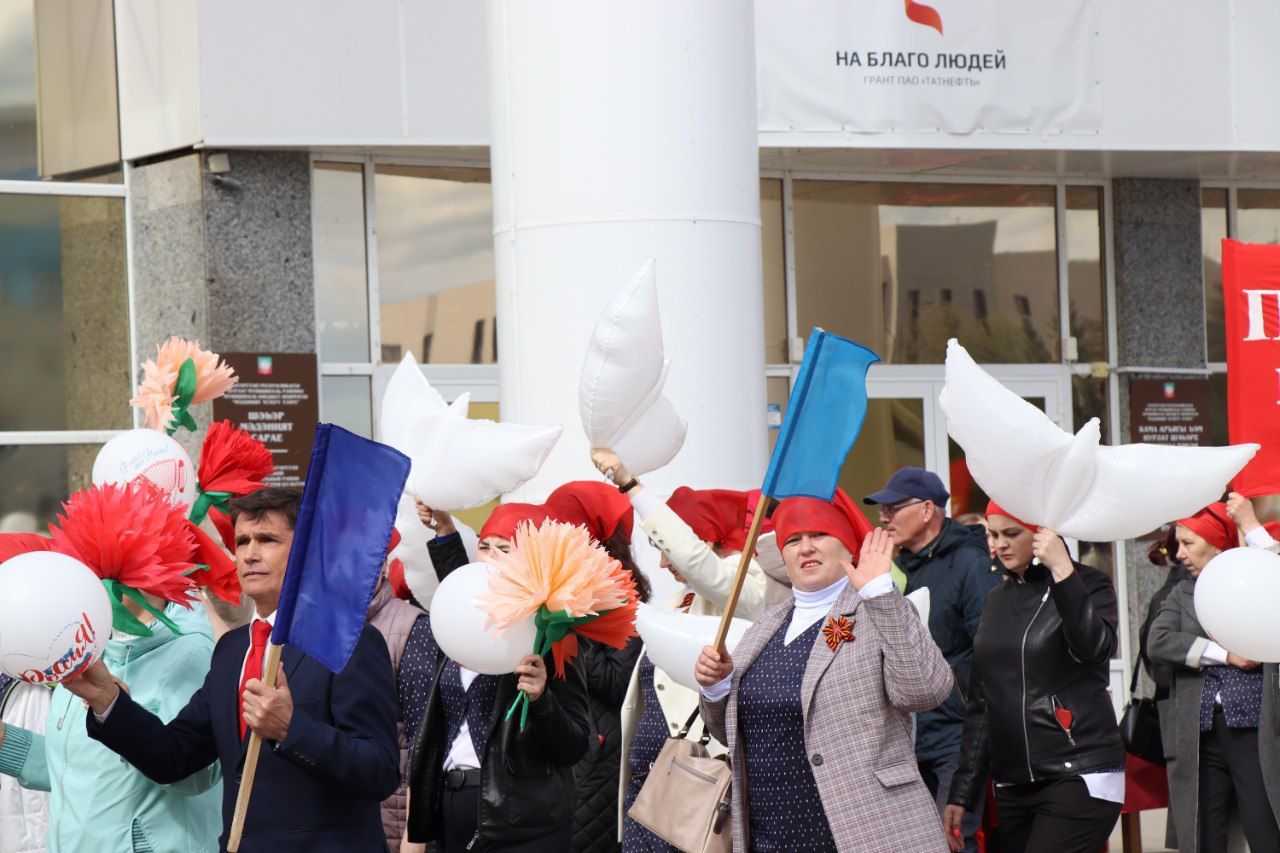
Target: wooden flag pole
(748,549)
(270,666)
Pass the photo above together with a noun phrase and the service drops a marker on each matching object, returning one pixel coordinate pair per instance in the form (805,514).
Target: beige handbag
(685,799)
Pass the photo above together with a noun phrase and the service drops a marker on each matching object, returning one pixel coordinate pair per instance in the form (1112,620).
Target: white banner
(951,66)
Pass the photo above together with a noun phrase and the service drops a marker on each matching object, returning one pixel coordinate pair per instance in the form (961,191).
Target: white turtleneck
(810,607)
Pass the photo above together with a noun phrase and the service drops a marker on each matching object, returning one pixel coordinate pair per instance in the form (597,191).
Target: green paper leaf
(204,502)
(184,390)
(124,620)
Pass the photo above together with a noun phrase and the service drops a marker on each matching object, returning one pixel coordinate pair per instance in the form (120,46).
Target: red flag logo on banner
(1251,303)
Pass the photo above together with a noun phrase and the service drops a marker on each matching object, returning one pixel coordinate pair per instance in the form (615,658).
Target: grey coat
(857,702)
(1177,639)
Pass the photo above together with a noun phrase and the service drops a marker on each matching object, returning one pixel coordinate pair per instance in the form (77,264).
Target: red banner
(1251,303)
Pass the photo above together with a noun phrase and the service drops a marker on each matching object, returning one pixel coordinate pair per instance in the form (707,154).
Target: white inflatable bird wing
(457,462)
(1072,484)
(623,375)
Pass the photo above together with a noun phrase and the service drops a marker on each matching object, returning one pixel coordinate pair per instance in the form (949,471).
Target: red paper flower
(220,577)
(132,534)
(13,544)
(232,461)
(837,631)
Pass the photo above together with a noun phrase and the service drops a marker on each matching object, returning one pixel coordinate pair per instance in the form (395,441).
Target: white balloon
(1071,484)
(673,640)
(412,552)
(620,390)
(1237,598)
(55,617)
(152,455)
(457,462)
(459,625)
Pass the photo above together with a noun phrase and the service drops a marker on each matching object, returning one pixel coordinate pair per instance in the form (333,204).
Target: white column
(624,130)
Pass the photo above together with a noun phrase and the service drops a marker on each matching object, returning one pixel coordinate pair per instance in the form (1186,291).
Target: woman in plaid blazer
(815,706)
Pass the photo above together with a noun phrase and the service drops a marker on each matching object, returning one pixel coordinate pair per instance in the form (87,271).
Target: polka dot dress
(783,807)
(651,734)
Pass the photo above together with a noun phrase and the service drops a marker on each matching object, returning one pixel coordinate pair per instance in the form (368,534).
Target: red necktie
(686,602)
(253,665)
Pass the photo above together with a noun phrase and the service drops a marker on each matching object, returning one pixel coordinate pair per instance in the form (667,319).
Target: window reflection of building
(457,319)
(435,261)
(903,267)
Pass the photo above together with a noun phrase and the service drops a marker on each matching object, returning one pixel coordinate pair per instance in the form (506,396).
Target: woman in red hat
(608,517)
(1039,719)
(699,534)
(526,801)
(815,705)
(1219,722)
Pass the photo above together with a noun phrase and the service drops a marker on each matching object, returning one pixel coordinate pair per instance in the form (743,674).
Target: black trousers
(1230,770)
(1057,816)
(459,810)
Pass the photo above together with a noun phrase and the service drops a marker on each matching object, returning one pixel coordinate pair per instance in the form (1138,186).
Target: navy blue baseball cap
(911,482)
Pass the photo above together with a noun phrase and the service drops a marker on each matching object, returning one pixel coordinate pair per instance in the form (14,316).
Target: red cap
(505,518)
(599,507)
(753,500)
(1214,526)
(715,515)
(838,517)
(395,540)
(994,508)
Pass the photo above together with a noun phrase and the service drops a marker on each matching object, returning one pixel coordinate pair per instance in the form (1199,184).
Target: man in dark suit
(329,755)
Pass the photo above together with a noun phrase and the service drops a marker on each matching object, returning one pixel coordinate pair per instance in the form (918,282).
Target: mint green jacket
(99,803)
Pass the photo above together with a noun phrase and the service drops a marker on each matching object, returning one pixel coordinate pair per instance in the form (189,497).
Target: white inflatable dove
(419,572)
(620,391)
(457,462)
(673,640)
(1071,484)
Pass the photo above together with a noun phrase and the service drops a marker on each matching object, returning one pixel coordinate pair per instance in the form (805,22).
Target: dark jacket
(608,673)
(318,789)
(527,787)
(1042,647)
(1161,673)
(956,568)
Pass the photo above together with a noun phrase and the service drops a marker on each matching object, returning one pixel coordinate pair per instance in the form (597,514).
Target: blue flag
(339,544)
(824,416)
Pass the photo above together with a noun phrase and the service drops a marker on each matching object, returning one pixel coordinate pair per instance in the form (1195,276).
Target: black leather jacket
(1042,647)
(526,779)
(527,786)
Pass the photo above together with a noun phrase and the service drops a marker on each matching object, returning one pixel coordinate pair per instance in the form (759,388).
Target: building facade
(308,177)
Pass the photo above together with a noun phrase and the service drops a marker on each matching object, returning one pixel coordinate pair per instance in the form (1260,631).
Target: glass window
(341,284)
(37,478)
(873,258)
(64,314)
(76,84)
(1258,215)
(892,436)
(778,391)
(346,401)
(1213,229)
(435,263)
(17,91)
(1086,277)
(773,248)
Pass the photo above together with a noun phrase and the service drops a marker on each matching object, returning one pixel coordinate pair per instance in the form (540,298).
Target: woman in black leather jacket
(1039,719)
(522,795)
